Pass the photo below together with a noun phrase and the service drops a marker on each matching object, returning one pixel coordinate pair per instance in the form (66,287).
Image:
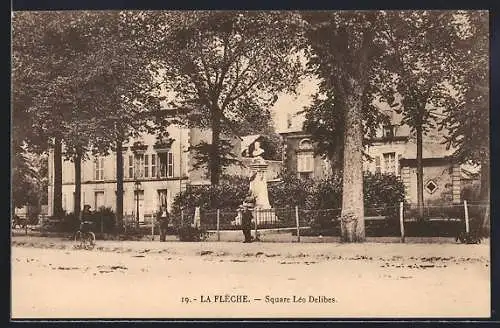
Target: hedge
(380,190)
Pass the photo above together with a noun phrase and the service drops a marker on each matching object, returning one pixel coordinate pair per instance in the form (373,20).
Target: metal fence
(398,220)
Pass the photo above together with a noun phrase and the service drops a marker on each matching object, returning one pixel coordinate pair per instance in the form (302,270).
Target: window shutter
(146,166)
(153,166)
(399,163)
(377,164)
(102,169)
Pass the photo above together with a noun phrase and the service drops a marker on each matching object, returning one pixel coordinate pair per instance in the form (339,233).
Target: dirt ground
(117,279)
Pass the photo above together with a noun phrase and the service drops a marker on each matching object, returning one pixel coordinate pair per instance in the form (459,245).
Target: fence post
(255,221)
(152,227)
(401,221)
(486,217)
(182,217)
(218,225)
(297,221)
(466,210)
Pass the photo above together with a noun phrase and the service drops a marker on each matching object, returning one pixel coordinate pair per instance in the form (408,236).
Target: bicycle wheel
(89,240)
(78,240)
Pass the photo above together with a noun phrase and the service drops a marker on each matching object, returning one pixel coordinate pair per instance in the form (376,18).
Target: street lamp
(137,186)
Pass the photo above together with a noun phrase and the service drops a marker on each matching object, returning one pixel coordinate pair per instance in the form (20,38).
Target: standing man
(246,222)
(163,218)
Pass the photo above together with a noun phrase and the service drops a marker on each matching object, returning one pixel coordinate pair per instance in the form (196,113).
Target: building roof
(246,141)
(429,150)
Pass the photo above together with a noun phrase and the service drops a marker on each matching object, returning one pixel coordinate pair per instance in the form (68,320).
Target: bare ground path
(149,279)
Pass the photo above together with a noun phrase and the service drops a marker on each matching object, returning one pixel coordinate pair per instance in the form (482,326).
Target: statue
(257,153)
(258,183)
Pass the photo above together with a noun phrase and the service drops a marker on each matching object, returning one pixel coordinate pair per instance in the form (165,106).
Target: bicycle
(84,237)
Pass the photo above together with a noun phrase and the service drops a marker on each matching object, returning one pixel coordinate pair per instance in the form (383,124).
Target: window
(146,166)
(99,169)
(390,163)
(163,197)
(431,186)
(305,162)
(170,165)
(377,164)
(389,131)
(131,166)
(166,164)
(305,157)
(153,165)
(140,165)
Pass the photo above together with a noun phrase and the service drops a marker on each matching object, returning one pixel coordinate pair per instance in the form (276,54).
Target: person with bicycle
(84,236)
(85,215)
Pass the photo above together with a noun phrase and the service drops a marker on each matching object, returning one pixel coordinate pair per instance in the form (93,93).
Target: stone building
(155,171)
(392,151)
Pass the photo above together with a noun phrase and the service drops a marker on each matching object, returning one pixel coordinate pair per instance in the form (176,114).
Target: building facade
(154,172)
(299,156)
(392,151)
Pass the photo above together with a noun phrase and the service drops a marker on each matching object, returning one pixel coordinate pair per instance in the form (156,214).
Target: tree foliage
(468,122)
(227,67)
(418,71)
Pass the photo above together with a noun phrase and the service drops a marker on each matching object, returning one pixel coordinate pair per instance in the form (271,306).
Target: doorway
(139,194)
(164,199)
(98,200)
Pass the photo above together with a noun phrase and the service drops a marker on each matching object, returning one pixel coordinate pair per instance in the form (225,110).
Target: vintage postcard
(250,164)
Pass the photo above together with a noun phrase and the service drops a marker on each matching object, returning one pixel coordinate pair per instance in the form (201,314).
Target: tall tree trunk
(119,185)
(484,194)
(352,222)
(57,198)
(420,173)
(214,160)
(78,184)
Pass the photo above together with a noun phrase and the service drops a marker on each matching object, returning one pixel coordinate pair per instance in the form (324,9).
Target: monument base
(265,216)
(261,216)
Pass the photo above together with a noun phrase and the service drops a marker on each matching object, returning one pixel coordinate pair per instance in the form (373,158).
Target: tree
(227,67)
(90,76)
(123,88)
(418,70)
(344,48)
(325,121)
(44,45)
(468,122)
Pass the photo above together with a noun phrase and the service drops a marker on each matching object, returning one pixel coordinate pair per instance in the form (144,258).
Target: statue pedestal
(258,187)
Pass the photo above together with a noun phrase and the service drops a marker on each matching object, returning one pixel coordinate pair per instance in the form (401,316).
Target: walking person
(163,218)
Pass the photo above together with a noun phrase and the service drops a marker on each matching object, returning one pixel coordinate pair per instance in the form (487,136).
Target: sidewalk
(328,250)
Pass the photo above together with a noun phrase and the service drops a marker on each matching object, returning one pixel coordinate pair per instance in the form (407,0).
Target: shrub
(292,191)
(470,192)
(385,191)
(104,216)
(329,193)
(382,189)
(229,194)
(68,223)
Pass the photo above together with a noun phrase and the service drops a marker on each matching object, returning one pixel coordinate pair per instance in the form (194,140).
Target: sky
(293,103)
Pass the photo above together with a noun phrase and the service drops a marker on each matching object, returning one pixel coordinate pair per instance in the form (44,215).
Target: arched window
(305,158)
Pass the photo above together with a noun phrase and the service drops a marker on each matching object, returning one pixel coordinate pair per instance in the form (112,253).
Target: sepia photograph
(231,164)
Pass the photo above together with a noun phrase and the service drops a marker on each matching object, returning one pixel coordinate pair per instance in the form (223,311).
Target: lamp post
(137,186)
